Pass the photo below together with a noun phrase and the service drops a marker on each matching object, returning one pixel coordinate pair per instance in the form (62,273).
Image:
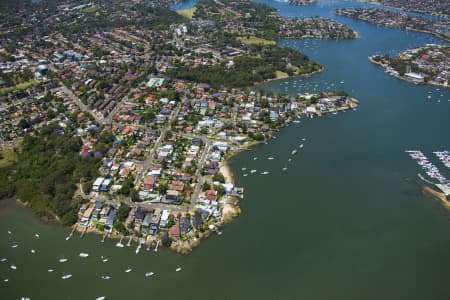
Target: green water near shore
(346,220)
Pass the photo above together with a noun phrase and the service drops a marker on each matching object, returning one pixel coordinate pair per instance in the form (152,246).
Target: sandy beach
(225,170)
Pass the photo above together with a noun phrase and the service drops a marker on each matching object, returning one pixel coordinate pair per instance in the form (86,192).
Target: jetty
(129,241)
(104,237)
(83,232)
(71,233)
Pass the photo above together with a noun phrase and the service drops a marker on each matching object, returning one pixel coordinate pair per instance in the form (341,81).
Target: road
(80,104)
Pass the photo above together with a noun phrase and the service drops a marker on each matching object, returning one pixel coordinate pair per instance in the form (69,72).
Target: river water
(346,220)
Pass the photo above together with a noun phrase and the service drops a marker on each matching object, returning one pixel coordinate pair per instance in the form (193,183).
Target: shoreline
(426,190)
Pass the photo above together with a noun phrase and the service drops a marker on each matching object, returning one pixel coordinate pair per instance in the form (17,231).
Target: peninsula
(121,123)
(396,20)
(427,64)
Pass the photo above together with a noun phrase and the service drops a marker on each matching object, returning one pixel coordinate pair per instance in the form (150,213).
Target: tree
(219,177)
(206,186)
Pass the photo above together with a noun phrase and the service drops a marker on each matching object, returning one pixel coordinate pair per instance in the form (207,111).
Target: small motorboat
(82,254)
(106,277)
(14,246)
(66,276)
(178,269)
(128,270)
(63,259)
(148,274)
(50,270)
(36,235)
(13,267)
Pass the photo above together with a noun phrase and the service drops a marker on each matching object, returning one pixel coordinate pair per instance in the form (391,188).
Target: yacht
(63,259)
(148,274)
(104,260)
(106,277)
(265,173)
(270,158)
(6,280)
(14,246)
(100,298)
(3,259)
(13,267)
(66,276)
(82,254)
(36,235)
(295,151)
(178,269)
(50,270)
(253,171)
(128,270)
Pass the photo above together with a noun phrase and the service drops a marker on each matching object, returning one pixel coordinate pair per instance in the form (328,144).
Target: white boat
(245,175)
(63,259)
(119,244)
(303,139)
(67,238)
(106,277)
(6,280)
(104,260)
(14,246)
(243,169)
(128,270)
(255,158)
(265,173)
(253,171)
(50,270)
(294,151)
(36,235)
(82,254)
(284,169)
(148,274)
(13,267)
(100,298)
(9,232)
(33,251)
(66,276)
(3,259)
(290,159)
(178,269)
(270,158)
(301,146)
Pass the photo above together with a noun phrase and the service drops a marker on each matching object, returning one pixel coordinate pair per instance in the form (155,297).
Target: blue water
(184,5)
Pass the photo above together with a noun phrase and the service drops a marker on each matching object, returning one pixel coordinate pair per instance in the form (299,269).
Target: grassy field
(7,154)
(90,10)
(188,13)
(20,86)
(255,40)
